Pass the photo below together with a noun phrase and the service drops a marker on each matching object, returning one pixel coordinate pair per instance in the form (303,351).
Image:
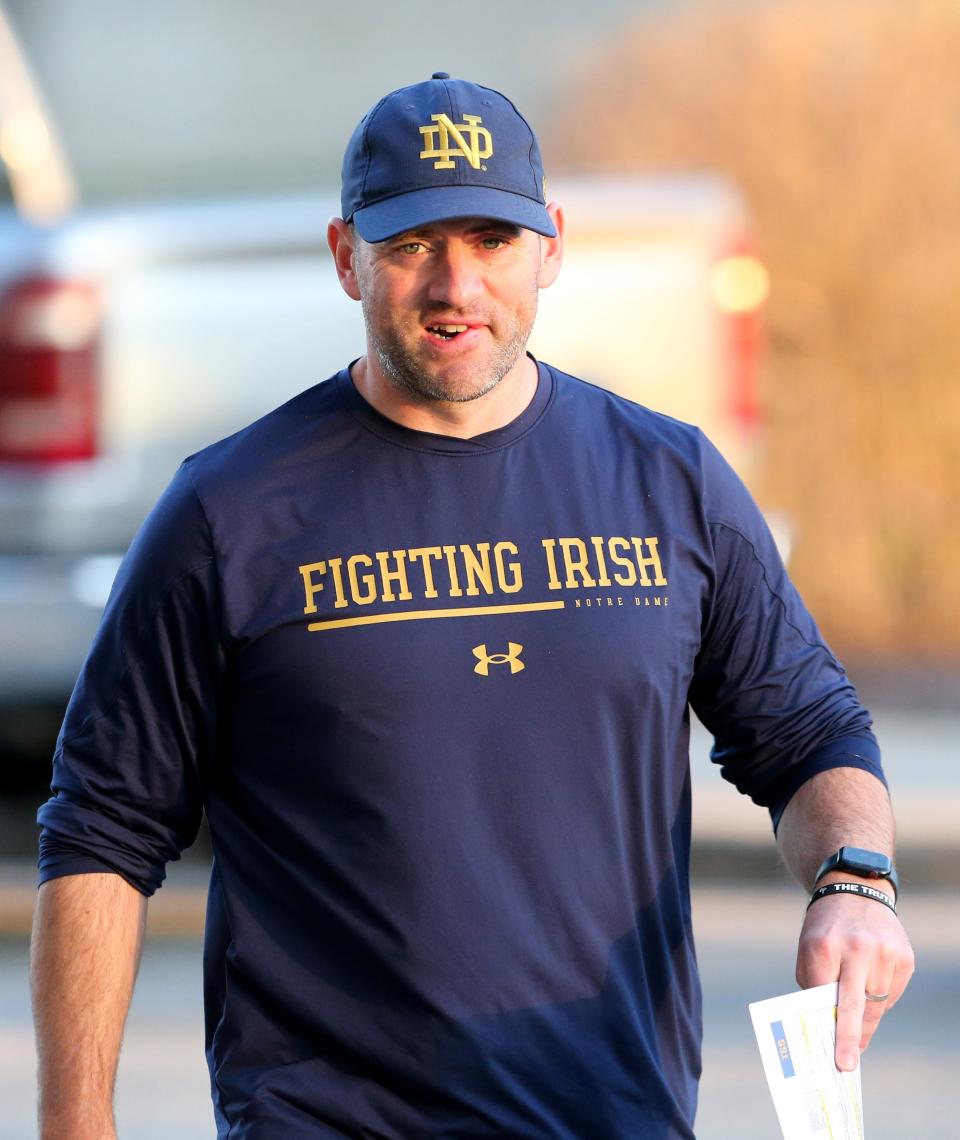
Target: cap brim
(403,212)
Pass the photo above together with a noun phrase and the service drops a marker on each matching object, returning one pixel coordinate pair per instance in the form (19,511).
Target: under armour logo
(485,659)
(437,142)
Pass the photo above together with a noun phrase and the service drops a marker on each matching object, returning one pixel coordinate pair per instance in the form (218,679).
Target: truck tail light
(49,347)
(740,284)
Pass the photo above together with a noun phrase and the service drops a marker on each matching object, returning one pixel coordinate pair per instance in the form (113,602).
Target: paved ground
(746,948)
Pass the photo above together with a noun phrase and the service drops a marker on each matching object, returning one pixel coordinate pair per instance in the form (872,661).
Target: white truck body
(195,318)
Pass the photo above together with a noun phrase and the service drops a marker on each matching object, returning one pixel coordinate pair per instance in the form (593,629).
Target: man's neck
(462,420)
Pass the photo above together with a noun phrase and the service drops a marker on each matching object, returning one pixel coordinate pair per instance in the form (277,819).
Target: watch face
(865,862)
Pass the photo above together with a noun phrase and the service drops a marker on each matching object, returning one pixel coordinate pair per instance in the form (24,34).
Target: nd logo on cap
(420,156)
(480,145)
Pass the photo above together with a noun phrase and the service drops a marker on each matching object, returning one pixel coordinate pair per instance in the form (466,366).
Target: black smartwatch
(868,864)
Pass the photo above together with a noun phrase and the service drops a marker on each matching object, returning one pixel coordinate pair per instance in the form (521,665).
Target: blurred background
(764,239)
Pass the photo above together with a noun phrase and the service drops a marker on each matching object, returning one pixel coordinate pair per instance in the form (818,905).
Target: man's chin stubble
(403,372)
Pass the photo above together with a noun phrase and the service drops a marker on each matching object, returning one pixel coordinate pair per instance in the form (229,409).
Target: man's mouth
(447,332)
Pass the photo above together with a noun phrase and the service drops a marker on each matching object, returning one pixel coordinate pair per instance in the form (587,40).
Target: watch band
(857,861)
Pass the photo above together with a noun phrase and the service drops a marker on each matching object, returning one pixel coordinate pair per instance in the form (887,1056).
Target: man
(422,642)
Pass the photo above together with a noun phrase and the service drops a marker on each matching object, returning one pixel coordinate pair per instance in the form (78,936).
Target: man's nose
(455,278)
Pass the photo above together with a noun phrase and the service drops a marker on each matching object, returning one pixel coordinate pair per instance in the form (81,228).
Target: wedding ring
(876,997)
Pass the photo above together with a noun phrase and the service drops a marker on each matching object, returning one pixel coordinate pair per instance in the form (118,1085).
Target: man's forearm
(840,807)
(87,937)
(847,938)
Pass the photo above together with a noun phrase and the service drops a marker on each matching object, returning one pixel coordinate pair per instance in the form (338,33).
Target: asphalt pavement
(746,916)
(746,946)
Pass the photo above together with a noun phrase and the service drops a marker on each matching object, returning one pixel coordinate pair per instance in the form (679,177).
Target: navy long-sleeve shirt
(433,694)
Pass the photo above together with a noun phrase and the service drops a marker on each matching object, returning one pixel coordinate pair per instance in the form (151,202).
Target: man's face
(449,307)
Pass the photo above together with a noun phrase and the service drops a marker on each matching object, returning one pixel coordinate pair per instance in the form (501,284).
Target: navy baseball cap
(439,150)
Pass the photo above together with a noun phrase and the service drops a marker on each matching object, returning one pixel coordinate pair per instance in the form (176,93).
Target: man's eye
(493,242)
(411,247)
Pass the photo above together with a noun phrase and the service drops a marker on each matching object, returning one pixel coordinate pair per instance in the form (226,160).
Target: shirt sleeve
(140,727)
(766,685)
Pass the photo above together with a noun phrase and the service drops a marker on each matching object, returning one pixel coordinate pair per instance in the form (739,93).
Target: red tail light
(740,285)
(49,340)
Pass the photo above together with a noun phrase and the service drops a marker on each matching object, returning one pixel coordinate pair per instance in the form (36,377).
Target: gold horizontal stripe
(419,615)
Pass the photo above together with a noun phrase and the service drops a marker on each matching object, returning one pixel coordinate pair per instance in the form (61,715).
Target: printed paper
(796,1034)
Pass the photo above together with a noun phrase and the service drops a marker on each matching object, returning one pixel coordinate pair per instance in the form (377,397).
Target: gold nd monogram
(437,142)
(511,658)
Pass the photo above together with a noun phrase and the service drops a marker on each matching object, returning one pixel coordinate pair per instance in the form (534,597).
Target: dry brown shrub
(840,119)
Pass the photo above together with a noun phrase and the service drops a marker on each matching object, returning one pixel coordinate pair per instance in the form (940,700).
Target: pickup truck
(130,337)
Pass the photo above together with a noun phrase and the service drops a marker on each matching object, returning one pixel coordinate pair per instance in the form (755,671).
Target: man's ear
(340,239)
(551,249)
